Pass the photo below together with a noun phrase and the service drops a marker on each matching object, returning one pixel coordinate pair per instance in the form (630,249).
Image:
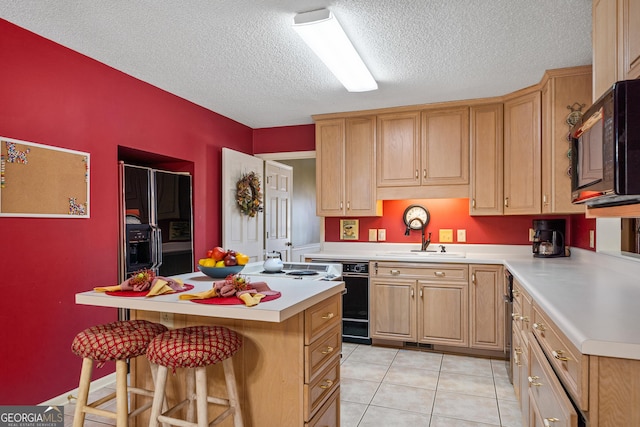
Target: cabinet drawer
(437,272)
(321,352)
(522,313)
(319,390)
(571,366)
(329,414)
(322,317)
(548,401)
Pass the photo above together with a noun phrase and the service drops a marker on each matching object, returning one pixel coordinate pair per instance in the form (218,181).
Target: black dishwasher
(355,302)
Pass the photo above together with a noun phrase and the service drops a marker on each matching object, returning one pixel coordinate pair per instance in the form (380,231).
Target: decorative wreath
(248,194)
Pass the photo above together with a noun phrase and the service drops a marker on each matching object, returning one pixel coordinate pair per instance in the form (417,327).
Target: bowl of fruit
(220,263)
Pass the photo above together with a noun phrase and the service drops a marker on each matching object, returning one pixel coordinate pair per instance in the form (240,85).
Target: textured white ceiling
(241,58)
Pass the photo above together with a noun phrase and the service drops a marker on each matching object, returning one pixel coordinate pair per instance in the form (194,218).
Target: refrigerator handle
(156,248)
(159,248)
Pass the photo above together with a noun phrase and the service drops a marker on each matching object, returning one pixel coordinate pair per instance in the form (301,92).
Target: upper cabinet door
(629,31)
(445,146)
(330,197)
(605,51)
(360,172)
(486,160)
(522,154)
(398,163)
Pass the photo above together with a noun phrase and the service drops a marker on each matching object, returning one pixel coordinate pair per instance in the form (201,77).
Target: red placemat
(232,300)
(185,287)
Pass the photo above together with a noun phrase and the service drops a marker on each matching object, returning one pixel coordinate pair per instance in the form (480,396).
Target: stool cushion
(193,347)
(117,340)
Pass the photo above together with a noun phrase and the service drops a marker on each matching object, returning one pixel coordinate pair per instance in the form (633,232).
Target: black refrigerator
(156,225)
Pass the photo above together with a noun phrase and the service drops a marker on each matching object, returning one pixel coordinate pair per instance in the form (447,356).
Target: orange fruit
(242,259)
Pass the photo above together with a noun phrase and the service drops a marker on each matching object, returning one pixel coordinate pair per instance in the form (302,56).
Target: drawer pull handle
(327,384)
(328,350)
(516,294)
(532,381)
(394,272)
(539,326)
(328,316)
(548,421)
(439,273)
(518,350)
(524,319)
(515,316)
(558,355)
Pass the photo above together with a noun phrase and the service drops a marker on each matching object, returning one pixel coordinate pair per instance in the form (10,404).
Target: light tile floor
(382,387)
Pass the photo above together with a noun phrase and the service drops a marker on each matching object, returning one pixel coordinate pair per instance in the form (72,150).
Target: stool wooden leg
(201,396)
(190,387)
(83,391)
(158,394)
(232,392)
(122,405)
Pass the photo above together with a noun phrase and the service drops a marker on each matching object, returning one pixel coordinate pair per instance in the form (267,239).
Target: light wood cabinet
(435,304)
(520,318)
(392,308)
(398,162)
(445,146)
(486,168)
(562,89)
(605,45)
(616,43)
(548,402)
(486,307)
(443,312)
(345,167)
(522,153)
(629,36)
(423,154)
(287,373)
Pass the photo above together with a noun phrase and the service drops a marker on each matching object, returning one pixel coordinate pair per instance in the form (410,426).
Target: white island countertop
(593,298)
(297,296)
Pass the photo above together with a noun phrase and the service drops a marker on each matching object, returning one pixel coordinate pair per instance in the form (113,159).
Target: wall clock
(416,211)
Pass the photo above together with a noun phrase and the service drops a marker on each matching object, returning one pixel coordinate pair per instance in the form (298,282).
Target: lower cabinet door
(443,313)
(393,313)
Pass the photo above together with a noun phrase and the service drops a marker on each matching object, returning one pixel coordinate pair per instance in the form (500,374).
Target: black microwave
(605,149)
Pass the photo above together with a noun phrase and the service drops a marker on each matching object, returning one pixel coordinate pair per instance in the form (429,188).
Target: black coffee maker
(548,238)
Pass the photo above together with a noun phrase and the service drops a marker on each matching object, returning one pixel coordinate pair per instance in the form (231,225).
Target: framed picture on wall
(348,229)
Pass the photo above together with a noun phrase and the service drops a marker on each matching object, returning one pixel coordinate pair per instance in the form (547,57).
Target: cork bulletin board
(43,181)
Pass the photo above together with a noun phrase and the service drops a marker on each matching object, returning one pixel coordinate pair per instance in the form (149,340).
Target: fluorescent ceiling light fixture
(322,32)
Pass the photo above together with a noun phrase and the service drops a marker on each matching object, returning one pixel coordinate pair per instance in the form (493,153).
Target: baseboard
(63,399)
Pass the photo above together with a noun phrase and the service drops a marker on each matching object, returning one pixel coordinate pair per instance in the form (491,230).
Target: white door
(278,192)
(241,232)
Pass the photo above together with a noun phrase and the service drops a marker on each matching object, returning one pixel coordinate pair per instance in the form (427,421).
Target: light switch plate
(462,236)
(446,235)
(382,234)
(373,234)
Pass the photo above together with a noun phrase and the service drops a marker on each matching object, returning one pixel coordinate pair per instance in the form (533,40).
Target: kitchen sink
(418,253)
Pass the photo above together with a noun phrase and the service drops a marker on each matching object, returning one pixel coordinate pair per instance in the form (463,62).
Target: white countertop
(297,295)
(593,298)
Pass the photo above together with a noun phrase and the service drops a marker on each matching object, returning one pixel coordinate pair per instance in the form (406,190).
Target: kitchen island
(288,369)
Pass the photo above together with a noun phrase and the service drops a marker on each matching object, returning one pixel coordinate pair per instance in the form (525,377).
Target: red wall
(284,138)
(52,95)
(454,214)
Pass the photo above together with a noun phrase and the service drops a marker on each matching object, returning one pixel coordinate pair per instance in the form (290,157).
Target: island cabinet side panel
(614,391)
(269,370)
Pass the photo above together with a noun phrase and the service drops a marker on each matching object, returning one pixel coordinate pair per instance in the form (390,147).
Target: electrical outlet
(531,234)
(382,234)
(592,238)
(373,234)
(446,235)
(462,236)
(166,319)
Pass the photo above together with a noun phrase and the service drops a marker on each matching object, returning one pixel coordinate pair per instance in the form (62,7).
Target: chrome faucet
(425,242)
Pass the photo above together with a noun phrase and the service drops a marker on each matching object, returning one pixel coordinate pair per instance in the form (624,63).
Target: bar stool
(117,341)
(194,348)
